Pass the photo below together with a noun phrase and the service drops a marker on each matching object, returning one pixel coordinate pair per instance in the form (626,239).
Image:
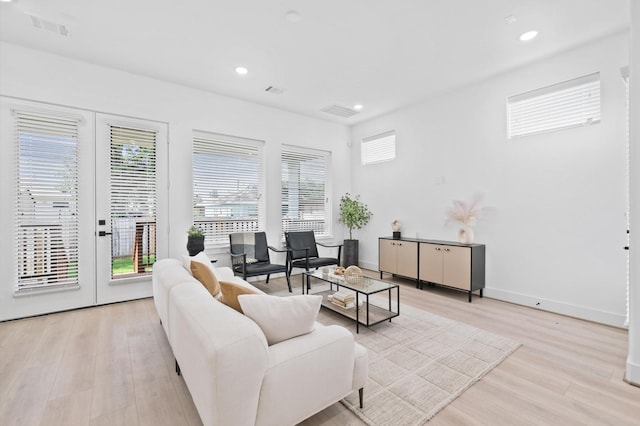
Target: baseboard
(632,375)
(554,306)
(368,265)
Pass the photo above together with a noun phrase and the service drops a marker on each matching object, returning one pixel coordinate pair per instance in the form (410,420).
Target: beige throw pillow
(230,293)
(205,275)
(282,318)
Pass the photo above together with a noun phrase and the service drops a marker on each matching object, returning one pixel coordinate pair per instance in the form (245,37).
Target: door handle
(103,233)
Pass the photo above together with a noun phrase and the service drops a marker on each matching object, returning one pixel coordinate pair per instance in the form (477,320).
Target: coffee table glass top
(366,285)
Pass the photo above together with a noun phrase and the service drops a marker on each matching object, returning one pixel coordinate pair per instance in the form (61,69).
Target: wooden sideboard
(446,263)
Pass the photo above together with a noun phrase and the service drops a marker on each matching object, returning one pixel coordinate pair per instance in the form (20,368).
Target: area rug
(419,363)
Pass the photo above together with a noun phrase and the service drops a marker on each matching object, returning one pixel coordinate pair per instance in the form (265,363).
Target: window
(378,148)
(228,183)
(47,222)
(133,200)
(305,191)
(568,104)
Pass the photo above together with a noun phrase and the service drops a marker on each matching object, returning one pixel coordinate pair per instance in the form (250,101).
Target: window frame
(383,145)
(572,103)
(227,145)
(62,238)
(298,152)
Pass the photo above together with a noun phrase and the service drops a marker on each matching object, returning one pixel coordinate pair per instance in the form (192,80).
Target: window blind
(228,183)
(47,221)
(378,148)
(133,199)
(305,195)
(567,104)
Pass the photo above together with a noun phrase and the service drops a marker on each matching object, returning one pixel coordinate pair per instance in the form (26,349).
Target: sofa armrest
(222,354)
(306,374)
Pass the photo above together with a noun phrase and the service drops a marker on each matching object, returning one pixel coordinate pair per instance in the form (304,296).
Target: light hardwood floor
(112,365)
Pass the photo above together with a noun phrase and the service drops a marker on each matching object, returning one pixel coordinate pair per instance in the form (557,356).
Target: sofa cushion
(282,318)
(200,257)
(231,291)
(205,275)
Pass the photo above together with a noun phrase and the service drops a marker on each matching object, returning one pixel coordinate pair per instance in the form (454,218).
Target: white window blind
(47,221)
(305,191)
(571,103)
(378,148)
(133,200)
(228,186)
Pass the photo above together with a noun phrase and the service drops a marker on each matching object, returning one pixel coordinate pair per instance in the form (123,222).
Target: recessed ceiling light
(242,70)
(529,35)
(357,107)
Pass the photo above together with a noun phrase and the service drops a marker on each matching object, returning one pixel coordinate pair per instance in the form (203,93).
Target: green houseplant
(195,240)
(354,214)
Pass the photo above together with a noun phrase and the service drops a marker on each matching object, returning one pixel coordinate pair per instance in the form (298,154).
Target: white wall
(39,76)
(555,227)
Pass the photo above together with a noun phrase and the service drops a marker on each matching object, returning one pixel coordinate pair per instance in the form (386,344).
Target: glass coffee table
(371,314)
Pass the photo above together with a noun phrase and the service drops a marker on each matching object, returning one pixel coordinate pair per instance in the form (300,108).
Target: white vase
(465,235)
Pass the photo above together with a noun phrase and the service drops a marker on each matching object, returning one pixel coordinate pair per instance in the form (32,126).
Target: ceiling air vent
(44,24)
(340,110)
(275,90)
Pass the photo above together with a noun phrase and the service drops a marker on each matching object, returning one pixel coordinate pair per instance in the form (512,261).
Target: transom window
(378,148)
(563,105)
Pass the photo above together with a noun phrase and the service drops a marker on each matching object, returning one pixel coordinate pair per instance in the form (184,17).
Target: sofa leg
(360,395)
(178,369)
(268,278)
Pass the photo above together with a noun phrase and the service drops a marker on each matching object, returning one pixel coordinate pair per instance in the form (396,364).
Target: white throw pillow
(202,258)
(281,318)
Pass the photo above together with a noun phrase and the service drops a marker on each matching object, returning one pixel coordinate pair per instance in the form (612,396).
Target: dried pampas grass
(463,212)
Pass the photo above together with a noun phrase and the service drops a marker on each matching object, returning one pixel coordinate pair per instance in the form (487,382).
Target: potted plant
(355,214)
(195,240)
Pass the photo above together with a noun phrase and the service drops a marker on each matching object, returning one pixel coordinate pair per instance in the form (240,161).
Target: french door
(127,192)
(63,173)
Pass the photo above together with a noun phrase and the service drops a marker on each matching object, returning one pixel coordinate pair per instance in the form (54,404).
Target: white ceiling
(384,54)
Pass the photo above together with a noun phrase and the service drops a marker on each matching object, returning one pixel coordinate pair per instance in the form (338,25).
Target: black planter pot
(350,253)
(195,245)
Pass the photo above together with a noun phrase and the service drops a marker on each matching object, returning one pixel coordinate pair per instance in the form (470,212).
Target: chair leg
(268,275)
(178,372)
(360,396)
(288,281)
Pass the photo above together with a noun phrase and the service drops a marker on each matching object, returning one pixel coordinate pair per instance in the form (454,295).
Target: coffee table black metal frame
(366,287)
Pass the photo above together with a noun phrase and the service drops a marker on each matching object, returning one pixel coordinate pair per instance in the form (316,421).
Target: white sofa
(233,376)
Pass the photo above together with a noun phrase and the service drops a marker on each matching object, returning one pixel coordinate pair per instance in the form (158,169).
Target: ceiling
(383,54)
